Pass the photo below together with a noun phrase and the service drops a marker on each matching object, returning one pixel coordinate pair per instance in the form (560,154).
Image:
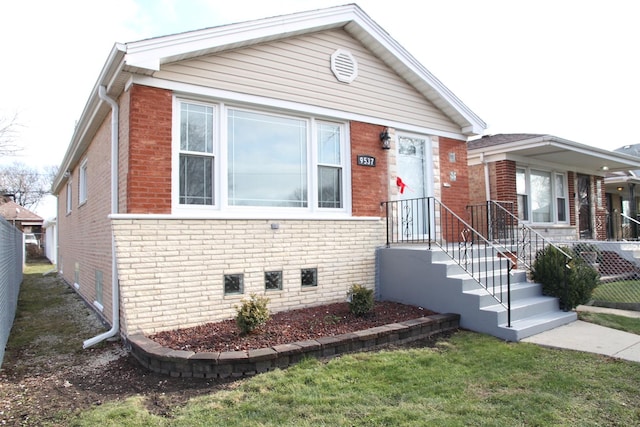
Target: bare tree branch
(9,135)
(28,185)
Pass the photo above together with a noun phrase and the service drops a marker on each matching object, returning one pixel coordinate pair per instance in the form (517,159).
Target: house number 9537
(366,160)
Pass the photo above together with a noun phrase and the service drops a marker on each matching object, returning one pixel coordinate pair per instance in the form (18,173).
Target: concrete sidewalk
(591,338)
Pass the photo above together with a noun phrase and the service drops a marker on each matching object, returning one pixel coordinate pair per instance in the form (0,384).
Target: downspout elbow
(115,289)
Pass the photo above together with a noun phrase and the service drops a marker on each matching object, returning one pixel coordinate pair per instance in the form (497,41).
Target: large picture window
(267,160)
(233,159)
(542,196)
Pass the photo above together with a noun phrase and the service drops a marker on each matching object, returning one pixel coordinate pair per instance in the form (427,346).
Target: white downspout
(115,289)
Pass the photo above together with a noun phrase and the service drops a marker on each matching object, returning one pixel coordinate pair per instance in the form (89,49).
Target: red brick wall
(505,176)
(477,187)
(149,173)
(84,234)
(369,185)
(455,197)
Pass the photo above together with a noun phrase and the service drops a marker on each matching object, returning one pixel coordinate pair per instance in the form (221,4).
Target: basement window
(233,284)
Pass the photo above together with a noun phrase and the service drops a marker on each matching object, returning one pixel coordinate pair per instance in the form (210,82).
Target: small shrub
(360,300)
(549,271)
(252,313)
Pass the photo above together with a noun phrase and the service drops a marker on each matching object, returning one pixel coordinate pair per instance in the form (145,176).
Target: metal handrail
(629,218)
(428,221)
(529,242)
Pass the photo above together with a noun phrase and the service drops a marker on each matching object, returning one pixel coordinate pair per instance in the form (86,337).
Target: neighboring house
(555,186)
(250,158)
(21,217)
(623,199)
(50,227)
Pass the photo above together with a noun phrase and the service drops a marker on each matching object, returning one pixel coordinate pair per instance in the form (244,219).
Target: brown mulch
(287,327)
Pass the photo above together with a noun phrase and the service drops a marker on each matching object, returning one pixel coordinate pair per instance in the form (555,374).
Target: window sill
(257,215)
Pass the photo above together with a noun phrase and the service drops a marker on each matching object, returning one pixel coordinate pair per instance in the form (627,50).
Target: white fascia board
(151,53)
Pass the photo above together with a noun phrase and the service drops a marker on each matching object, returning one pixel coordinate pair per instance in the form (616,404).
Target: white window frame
(82,183)
(69,198)
(220,207)
(553,196)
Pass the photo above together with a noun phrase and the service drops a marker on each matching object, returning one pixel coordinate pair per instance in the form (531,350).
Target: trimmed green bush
(360,300)
(581,278)
(252,314)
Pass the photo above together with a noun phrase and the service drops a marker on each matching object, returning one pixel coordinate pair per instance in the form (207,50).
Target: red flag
(401,184)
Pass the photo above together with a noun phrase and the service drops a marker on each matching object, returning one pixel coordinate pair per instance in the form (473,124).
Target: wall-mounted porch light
(385,139)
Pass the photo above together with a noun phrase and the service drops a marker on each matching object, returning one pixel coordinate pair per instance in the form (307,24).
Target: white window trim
(220,207)
(69,197)
(82,183)
(554,196)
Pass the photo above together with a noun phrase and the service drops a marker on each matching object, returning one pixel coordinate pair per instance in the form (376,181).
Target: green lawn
(466,379)
(623,323)
(627,291)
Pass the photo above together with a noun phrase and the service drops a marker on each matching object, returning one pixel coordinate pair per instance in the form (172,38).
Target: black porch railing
(502,227)
(428,221)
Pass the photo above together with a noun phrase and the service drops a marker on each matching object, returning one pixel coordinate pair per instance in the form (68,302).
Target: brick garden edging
(179,363)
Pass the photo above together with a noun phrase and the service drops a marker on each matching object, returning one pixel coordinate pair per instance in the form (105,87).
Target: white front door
(415,182)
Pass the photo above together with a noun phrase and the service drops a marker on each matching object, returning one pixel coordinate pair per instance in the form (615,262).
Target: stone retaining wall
(178,363)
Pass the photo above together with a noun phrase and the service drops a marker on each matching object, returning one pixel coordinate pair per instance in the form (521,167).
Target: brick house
(554,185)
(250,158)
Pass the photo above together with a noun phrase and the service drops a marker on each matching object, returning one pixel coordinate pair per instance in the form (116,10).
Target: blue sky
(568,68)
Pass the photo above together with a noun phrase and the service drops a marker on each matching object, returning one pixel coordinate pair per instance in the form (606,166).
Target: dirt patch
(47,378)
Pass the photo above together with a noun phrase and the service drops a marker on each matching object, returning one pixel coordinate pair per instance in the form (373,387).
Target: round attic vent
(344,66)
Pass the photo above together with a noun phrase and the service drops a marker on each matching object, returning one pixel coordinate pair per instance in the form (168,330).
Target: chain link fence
(11,260)
(619,266)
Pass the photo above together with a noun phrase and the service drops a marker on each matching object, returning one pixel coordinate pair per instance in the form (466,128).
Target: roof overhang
(147,56)
(551,151)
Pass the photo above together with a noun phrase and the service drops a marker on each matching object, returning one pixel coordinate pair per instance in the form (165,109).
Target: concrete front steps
(430,278)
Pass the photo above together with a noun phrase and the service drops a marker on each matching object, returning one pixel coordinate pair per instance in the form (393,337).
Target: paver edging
(178,363)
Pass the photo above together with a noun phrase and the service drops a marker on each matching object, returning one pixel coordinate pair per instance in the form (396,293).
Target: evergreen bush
(252,314)
(549,270)
(360,300)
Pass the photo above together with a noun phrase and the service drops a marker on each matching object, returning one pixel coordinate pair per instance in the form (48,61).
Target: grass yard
(626,291)
(622,323)
(467,379)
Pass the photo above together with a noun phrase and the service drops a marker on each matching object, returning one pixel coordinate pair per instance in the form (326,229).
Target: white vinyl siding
(298,70)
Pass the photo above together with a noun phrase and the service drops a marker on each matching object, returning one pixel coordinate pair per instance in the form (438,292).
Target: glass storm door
(414,180)
(584,213)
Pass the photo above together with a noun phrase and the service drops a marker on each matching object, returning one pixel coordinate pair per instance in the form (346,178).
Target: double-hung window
(196,158)
(542,195)
(271,161)
(329,144)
